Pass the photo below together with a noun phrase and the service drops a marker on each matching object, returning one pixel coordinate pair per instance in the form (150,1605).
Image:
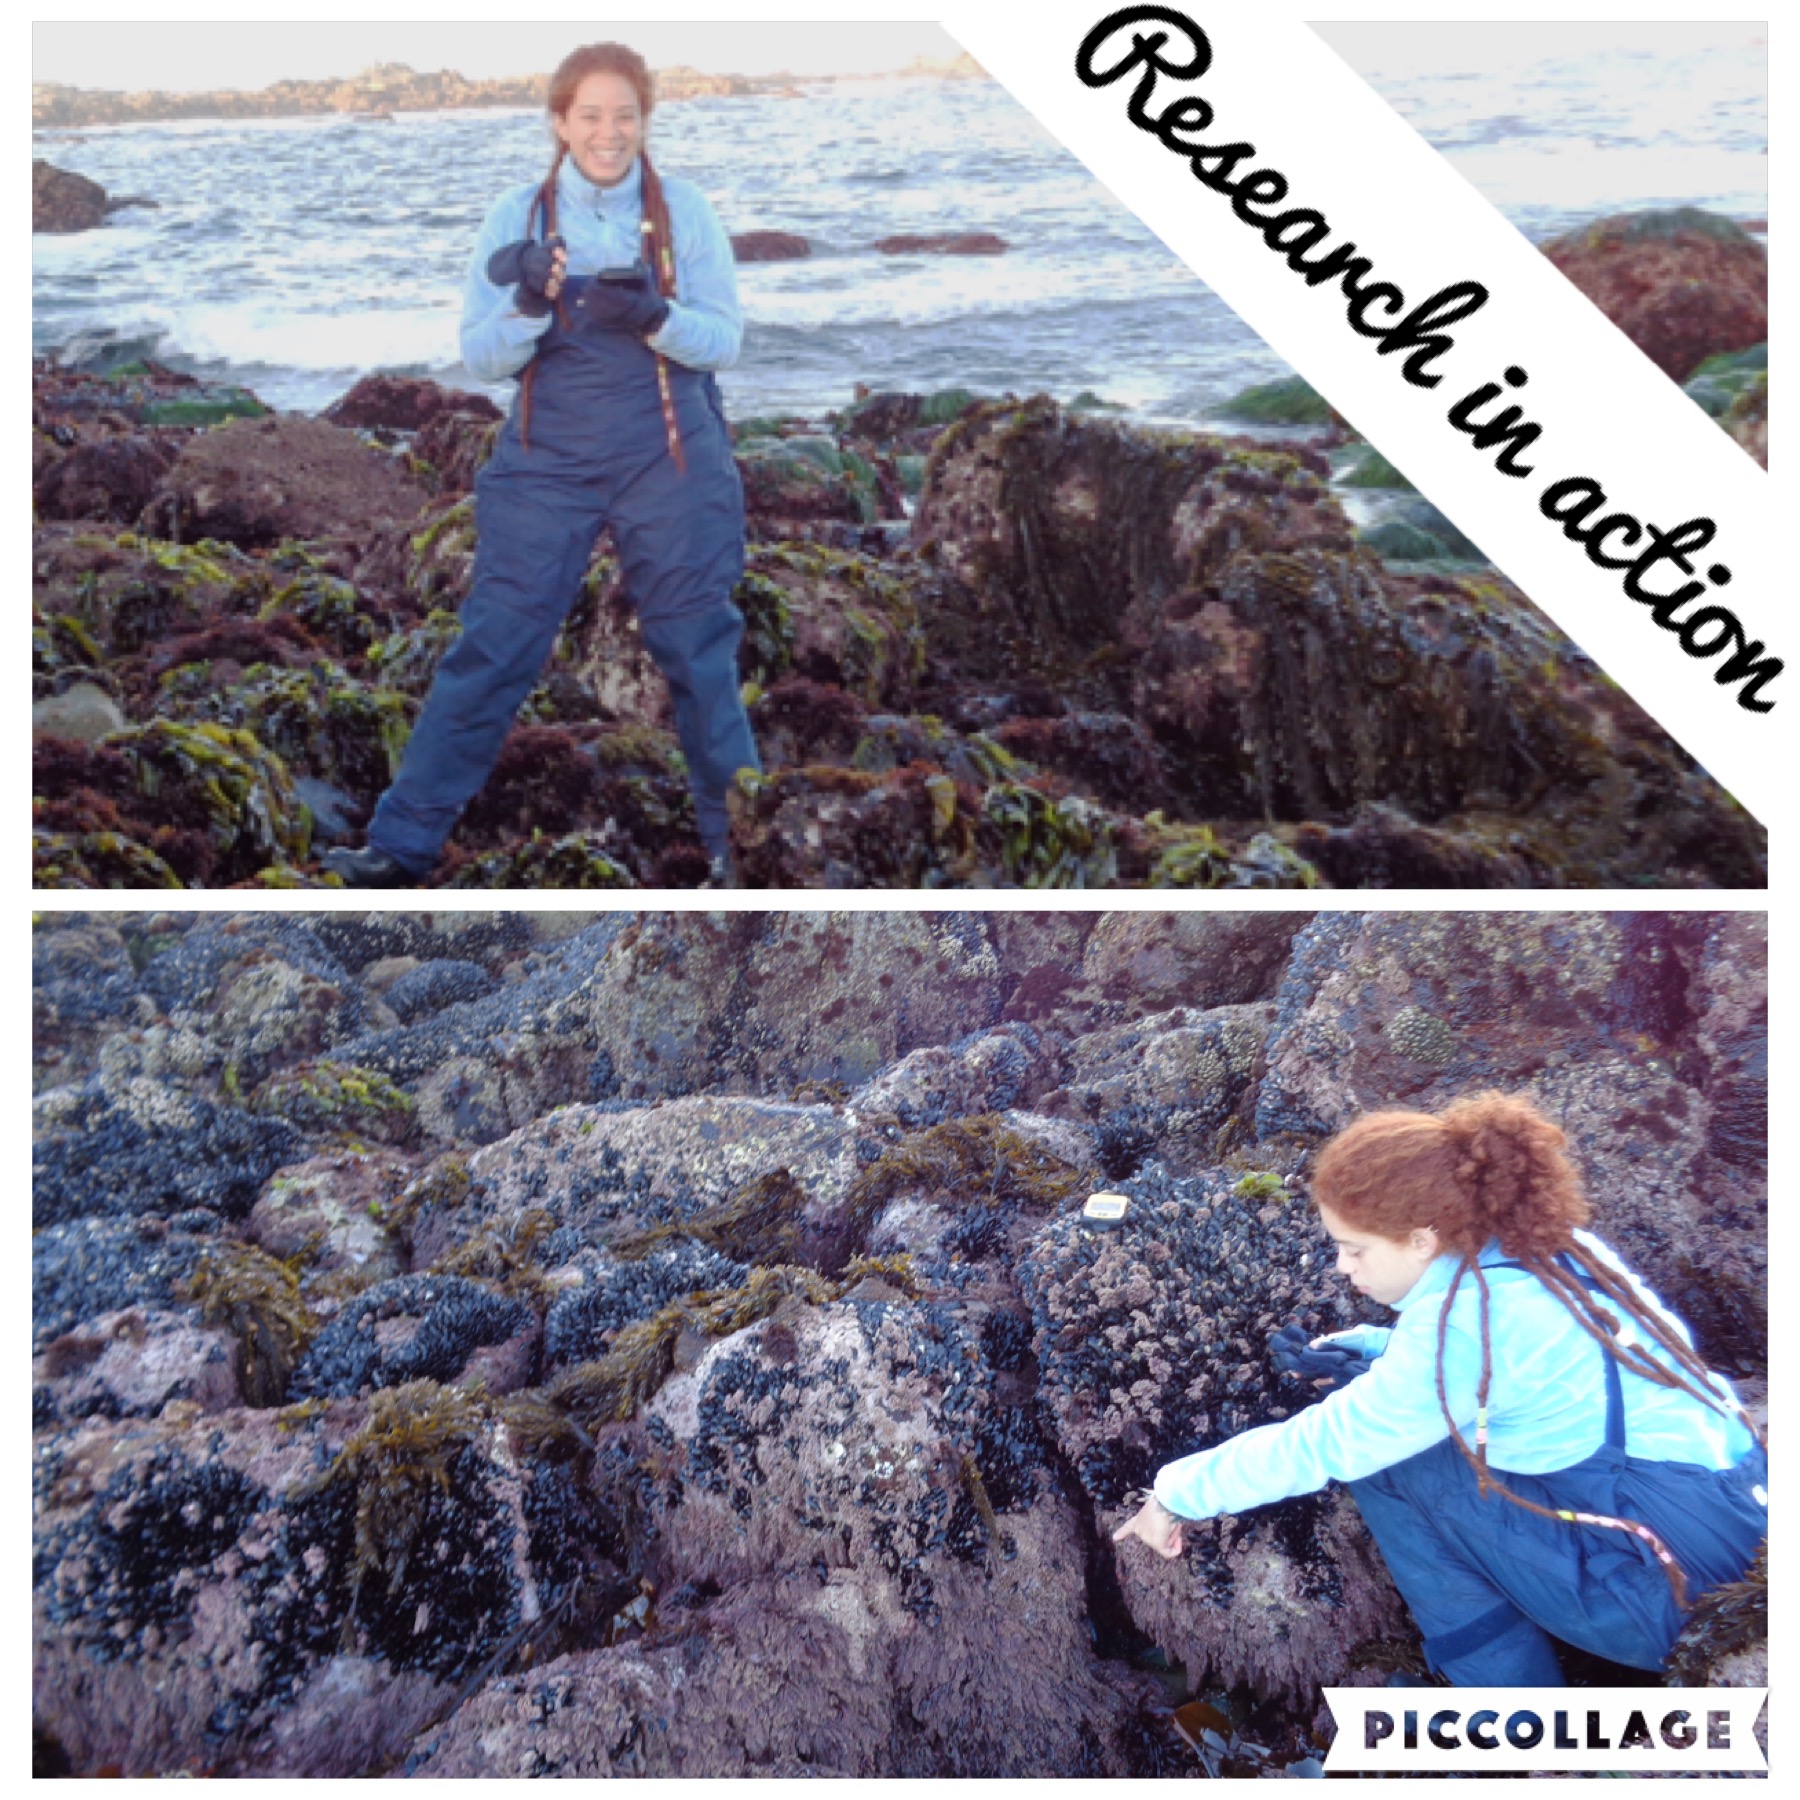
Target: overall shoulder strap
(1615,1390)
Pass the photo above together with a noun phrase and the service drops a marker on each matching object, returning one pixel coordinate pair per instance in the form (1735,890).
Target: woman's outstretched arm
(1379,1419)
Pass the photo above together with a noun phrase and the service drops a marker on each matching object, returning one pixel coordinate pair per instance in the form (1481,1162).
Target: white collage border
(1012,37)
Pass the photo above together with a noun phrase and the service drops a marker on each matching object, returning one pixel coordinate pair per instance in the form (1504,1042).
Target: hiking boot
(370,868)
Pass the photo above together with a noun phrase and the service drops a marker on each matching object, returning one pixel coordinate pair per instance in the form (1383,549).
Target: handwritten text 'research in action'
(1420,335)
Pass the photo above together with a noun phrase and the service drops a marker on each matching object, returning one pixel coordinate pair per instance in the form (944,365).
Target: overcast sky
(177,58)
(134,56)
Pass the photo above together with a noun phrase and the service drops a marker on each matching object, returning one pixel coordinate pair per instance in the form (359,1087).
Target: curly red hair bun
(1490,1166)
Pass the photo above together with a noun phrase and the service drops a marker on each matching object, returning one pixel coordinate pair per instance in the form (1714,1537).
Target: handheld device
(1105,1212)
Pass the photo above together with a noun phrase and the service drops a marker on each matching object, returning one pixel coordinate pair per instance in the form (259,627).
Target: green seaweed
(947,405)
(580,859)
(1723,1623)
(338,1097)
(414,1435)
(1290,401)
(96,859)
(244,790)
(759,1222)
(1261,1184)
(316,719)
(1368,468)
(328,607)
(768,650)
(979,1161)
(408,660)
(1665,222)
(251,1293)
(1051,843)
(238,405)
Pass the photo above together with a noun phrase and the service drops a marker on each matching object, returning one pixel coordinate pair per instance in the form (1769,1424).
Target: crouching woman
(1534,1444)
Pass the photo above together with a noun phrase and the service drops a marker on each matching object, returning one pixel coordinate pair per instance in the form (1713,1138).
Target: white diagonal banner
(1366,261)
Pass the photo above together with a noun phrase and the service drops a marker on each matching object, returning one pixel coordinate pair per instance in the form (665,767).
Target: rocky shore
(992,642)
(485,1344)
(385,88)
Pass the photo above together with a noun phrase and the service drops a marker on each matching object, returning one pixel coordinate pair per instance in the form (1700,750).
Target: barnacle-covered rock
(1152,1342)
(594,1167)
(84,988)
(858,1442)
(152,1150)
(1166,1085)
(986,1072)
(769,1001)
(783,1680)
(187,973)
(493,1063)
(1642,1034)
(413,1328)
(1147,962)
(1278,1599)
(358,939)
(131,1364)
(269,1592)
(335,1211)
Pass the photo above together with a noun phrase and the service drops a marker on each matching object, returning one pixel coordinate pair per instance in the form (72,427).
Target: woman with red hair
(1534,1444)
(610,293)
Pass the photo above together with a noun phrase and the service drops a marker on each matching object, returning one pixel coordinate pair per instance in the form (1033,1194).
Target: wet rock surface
(990,642)
(1682,284)
(62,201)
(713,1378)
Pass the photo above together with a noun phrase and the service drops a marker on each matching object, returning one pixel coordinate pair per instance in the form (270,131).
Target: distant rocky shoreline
(387,88)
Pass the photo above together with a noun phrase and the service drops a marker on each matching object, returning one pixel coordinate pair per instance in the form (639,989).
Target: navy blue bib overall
(1489,1583)
(598,455)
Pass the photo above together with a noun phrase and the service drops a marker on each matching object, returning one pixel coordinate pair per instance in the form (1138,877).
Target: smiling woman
(611,296)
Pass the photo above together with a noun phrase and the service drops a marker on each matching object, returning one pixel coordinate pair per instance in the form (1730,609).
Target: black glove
(1323,1367)
(526,267)
(633,307)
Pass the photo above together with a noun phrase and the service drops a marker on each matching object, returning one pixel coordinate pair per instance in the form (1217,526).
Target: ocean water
(297,255)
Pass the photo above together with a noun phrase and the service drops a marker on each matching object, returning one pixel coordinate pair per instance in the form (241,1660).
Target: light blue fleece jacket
(705,326)
(1546,1403)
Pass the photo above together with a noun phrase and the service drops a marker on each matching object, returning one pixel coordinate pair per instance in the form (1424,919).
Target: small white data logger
(1105,1212)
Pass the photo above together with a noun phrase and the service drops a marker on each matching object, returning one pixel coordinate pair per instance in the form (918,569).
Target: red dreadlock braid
(544,203)
(659,253)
